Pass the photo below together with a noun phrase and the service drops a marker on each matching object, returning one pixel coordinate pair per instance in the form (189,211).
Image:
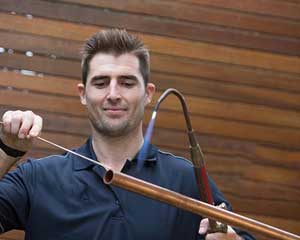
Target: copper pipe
(189,204)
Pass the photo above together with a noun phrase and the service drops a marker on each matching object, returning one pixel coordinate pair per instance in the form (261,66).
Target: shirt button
(117,202)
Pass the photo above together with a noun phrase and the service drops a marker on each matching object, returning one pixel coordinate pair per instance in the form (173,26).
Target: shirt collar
(88,151)
(151,154)
(85,150)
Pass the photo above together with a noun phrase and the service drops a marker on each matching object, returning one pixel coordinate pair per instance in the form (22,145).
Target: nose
(113,92)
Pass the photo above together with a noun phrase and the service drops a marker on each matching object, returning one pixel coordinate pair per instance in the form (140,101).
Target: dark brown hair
(116,42)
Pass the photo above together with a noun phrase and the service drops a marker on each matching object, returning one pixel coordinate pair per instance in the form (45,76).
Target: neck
(114,151)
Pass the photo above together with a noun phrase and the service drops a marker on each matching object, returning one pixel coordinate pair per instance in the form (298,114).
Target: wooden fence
(237,63)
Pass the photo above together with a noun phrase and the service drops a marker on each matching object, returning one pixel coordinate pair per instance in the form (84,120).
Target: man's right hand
(19,128)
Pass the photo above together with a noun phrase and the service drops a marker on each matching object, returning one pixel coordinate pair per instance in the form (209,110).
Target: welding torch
(196,154)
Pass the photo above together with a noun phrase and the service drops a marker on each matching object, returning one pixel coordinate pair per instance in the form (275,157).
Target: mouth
(114,111)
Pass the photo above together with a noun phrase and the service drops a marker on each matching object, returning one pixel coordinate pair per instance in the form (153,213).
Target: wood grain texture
(195,13)
(197,105)
(236,62)
(198,13)
(265,7)
(203,88)
(285,9)
(163,45)
(205,33)
(224,127)
(166,64)
(13,235)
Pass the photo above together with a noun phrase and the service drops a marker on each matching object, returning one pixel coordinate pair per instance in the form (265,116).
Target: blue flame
(143,153)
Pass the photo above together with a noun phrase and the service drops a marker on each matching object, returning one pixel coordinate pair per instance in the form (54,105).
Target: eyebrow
(99,77)
(130,77)
(107,77)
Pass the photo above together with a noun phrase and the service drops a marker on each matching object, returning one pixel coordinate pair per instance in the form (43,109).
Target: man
(64,197)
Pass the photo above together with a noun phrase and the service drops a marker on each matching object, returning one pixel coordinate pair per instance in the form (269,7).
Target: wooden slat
(183,48)
(249,200)
(45,84)
(234,110)
(277,175)
(86,15)
(284,9)
(27,100)
(285,137)
(197,105)
(242,170)
(293,1)
(283,1)
(278,180)
(42,45)
(269,207)
(228,73)
(38,64)
(13,235)
(166,64)
(250,152)
(202,14)
(287,224)
(237,63)
(227,91)
(246,40)
(282,136)
(188,86)
(278,157)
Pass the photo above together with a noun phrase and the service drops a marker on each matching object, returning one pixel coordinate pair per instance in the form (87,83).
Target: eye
(101,83)
(128,83)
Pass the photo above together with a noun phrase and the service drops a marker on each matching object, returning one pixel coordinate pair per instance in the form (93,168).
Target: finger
(204,224)
(26,124)
(222,205)
(37,126)
(214,236)
(16,121)
(6,118)
(230,229)
(223,236)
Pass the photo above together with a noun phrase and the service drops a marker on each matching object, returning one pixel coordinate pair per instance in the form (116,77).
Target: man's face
(115,94)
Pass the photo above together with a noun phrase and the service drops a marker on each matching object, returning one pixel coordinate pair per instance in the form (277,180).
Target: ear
(81,92)
(150,90)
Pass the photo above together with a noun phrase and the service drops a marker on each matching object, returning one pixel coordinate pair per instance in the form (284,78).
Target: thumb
(203,228)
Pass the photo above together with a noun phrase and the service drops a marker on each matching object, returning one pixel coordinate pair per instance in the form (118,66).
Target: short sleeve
(15,194)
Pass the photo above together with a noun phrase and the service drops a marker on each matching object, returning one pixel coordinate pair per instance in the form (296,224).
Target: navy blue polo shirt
(64,197)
